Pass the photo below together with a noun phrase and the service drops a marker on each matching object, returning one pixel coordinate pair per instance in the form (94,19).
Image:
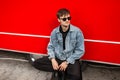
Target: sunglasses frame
(64,19)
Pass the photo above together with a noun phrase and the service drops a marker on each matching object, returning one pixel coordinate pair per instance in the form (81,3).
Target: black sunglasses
(64,19)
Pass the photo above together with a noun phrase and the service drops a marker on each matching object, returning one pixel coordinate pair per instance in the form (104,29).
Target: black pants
(73,71)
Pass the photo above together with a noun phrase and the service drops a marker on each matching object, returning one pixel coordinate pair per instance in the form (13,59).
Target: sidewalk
(20,69)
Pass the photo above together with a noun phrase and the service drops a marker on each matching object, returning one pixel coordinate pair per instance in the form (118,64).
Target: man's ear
(58,20)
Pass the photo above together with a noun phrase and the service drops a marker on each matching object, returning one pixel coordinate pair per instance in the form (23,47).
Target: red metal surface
(98,19)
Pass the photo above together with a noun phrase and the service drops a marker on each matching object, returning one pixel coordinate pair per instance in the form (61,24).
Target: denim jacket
(74,45)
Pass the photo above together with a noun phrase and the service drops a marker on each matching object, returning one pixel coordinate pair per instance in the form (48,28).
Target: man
(66,45)
(65,48)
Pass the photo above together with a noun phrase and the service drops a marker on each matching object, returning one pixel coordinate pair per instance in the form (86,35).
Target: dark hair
(62,12)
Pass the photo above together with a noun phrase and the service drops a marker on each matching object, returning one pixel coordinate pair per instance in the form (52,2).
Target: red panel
(23,43)
(102,52)
(93,51)
(98,19)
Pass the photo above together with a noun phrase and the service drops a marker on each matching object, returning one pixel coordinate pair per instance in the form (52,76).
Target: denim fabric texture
(74,45)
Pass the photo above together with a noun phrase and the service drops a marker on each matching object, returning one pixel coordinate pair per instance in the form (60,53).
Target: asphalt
(14,66)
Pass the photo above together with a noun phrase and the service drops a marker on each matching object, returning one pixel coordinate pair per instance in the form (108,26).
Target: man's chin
(66,25)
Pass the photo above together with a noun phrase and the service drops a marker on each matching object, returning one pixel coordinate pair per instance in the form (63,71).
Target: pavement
(14,66)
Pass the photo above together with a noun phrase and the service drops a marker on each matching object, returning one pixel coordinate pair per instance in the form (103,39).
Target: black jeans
(73,71)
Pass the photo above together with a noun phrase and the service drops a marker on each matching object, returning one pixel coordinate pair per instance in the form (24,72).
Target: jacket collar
(71,28)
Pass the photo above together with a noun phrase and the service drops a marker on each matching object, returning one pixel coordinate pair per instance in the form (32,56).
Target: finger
(62,69)
(59,68)
(55,67)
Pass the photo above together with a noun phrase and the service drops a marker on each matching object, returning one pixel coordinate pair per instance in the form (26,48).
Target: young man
(65,48)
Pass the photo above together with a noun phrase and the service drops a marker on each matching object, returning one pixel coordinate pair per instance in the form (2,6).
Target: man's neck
(65,28)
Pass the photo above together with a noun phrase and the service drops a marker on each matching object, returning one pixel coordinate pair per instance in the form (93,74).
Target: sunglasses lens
(64,19)
(69,18)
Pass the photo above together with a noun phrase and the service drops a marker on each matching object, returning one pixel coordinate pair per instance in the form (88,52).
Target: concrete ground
(15,67)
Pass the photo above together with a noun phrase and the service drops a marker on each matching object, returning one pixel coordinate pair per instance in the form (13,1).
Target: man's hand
(63,66)
(54,64)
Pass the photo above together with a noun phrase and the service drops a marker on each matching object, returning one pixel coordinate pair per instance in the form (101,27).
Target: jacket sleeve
(78,51)
(51,47)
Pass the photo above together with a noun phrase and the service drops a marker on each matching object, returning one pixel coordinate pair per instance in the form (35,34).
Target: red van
(25,26)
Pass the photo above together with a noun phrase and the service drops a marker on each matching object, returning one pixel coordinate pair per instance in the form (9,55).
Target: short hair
(62,11)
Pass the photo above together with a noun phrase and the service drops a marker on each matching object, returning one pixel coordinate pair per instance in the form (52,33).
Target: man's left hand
(63,66)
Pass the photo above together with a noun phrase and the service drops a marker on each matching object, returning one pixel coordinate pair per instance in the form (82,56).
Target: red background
(98,19)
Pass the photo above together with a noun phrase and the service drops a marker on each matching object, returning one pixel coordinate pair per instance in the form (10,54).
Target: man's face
(65,20)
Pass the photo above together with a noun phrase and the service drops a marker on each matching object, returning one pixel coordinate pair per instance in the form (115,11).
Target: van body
(26,25)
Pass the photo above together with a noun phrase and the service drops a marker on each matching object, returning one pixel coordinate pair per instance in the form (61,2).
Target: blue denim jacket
(74,45)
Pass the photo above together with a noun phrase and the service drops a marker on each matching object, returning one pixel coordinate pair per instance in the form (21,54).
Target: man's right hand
(54,64)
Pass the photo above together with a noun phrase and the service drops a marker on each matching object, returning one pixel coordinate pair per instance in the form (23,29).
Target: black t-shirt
(64,34)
